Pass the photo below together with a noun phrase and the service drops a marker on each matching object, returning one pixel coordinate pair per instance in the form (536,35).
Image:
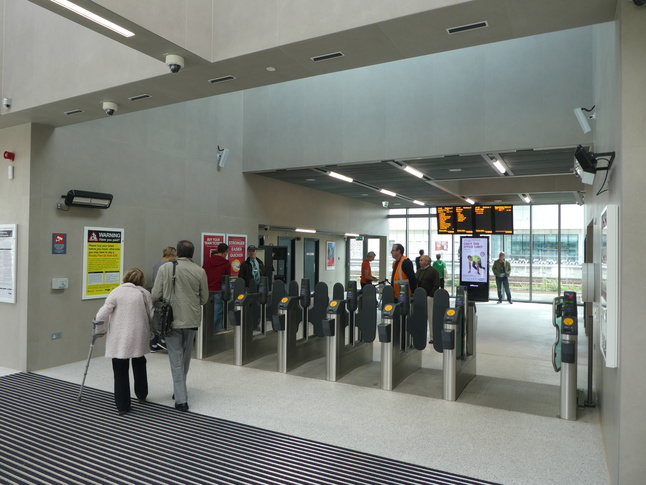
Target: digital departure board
(446,220)
(464,219)
(483,219)
(478,219)
(503,219)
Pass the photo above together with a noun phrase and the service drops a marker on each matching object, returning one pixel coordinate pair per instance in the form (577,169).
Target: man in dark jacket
(216,266)
(429,279)
(252,268)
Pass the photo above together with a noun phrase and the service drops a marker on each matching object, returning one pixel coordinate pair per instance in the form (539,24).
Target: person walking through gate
(501,269)
(216,266)
(366,270)
(429,279)
(402,270)
(187,294)
(159,343)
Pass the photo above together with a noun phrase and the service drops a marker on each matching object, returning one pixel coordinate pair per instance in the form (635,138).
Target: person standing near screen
(501,269)
(440,267)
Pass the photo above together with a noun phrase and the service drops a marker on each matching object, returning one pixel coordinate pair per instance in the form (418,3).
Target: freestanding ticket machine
(564,354)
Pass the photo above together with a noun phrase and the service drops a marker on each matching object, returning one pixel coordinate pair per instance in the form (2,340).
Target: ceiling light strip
(341,177)
(325,57)
(388,192)
(413,171)
(94,17)
(310,231)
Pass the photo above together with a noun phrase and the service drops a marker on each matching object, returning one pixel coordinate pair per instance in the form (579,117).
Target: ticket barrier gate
(402,334)
(293,309)
(252,340)
(345,348)
(459,345)
(564,350)
(221,340)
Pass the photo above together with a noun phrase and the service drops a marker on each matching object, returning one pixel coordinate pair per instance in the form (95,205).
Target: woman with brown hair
(128,308)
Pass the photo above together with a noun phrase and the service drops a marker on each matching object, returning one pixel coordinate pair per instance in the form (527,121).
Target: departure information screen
(475,219)
(483,219)
(503,219)
(446,220)
(464,220)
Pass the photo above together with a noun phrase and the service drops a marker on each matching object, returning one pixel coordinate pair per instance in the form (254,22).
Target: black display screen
(446,220)
(478,219)
(503,219)
(464,219)
(483,219)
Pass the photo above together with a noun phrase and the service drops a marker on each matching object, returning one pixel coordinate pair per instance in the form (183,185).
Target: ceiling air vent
(73,112)
(464,28)
(139,97)
(326,57)
(221,79)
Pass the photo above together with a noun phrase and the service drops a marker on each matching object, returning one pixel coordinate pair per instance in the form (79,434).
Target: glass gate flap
(557,321)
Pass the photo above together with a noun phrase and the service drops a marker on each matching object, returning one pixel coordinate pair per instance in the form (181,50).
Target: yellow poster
(103,261)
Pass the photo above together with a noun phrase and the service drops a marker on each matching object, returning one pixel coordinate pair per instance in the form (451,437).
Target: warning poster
(102,261)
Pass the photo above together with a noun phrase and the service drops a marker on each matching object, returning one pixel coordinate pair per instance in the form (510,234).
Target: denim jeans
(218,306)
(500,282)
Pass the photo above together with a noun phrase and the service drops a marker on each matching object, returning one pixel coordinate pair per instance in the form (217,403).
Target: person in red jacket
(216,266)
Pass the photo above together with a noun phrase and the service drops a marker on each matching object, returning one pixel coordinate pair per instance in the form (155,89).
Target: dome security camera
(174,63)
(110,108)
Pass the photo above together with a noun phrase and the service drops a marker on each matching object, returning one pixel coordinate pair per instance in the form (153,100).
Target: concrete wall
(160,166)
(508,95)
(14,209)
(620,127)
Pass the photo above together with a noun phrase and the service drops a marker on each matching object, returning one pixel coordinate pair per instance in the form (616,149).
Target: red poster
(210,243)
(237,252)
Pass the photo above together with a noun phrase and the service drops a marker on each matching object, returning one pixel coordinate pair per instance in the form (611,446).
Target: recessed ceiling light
(310,180)
(271,69)
(455,170)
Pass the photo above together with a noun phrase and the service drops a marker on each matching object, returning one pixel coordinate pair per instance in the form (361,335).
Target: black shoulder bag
(163,312)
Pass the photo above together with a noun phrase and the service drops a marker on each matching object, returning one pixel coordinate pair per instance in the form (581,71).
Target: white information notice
(8,234)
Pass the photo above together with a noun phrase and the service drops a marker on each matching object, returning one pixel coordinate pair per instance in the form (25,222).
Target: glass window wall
(545,251)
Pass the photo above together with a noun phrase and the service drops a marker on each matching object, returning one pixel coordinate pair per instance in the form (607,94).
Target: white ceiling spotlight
(469,200)
(583,118)
(525,198)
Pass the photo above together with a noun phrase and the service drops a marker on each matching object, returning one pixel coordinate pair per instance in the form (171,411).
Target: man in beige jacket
(185,285)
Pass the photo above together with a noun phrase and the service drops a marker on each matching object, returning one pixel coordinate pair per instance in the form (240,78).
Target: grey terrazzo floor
(477,436)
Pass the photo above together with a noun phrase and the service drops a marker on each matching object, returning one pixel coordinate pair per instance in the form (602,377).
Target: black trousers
(120,368)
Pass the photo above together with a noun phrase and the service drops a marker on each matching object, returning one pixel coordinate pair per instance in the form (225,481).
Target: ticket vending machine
(564,350)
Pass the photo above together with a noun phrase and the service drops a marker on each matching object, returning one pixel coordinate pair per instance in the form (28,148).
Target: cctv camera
(174,63)
(110,108)
(266,228)
(6,103)
(385,204)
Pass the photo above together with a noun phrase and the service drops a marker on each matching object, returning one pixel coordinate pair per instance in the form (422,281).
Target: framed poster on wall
(331,255)
(608,306)
(237,252)
(8,240)
(210,243)
(102,261)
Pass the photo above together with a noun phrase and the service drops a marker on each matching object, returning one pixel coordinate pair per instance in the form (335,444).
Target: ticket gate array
(348,334)
(252,337)
(564,350)
(458,344)
(299,327)
(402,333)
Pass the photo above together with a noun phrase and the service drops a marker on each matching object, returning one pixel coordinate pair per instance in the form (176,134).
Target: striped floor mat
(47,437)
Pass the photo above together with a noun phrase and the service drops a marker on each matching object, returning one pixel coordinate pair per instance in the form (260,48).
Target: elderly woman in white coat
(128,336)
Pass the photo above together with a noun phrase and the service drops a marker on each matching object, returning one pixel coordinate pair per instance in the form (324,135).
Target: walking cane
(95,335)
